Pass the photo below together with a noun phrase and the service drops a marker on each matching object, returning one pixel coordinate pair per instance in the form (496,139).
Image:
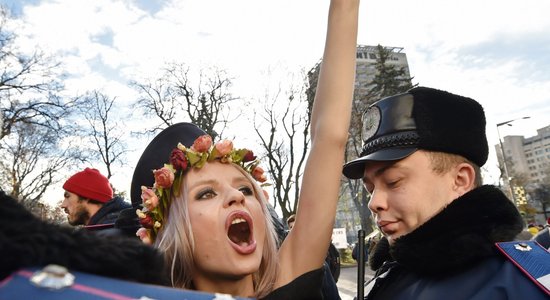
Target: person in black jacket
(420,162)
(88,200)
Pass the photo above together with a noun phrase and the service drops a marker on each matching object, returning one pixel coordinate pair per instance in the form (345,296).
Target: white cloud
(452,45)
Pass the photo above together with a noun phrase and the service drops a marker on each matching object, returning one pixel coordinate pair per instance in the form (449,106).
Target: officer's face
(406,193)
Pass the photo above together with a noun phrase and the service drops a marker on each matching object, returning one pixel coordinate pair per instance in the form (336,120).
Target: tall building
(527,160)
(365,69)
(366,61)
(528,157)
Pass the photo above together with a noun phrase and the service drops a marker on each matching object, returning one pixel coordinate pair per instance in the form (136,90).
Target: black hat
(157,154)
(421,118)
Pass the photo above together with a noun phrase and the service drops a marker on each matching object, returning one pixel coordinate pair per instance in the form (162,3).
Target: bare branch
(175,98)
(104,131)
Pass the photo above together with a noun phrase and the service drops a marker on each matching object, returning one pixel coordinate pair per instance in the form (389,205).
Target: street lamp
(504,160)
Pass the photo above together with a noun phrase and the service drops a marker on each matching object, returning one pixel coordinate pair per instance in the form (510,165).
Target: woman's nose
(234,196)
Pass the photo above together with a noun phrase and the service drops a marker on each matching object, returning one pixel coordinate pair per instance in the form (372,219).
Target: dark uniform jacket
(453,255)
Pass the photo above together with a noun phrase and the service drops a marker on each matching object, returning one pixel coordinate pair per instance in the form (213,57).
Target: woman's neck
(243,287)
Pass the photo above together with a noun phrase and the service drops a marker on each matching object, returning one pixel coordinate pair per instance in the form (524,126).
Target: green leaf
(193,157)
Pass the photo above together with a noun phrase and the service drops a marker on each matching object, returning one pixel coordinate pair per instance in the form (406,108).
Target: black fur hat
(157,153)
(422,118)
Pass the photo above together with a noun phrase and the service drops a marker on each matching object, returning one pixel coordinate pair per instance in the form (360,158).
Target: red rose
(249,156)
(146,222)
(202,143)
(178,159)
(164,177)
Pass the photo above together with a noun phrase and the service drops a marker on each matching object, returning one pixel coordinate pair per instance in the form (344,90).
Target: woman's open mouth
(240,232)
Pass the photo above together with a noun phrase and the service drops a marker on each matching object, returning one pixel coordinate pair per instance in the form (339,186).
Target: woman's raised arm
(306,246)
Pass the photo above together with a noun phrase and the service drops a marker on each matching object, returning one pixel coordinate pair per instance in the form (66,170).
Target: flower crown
(168,179)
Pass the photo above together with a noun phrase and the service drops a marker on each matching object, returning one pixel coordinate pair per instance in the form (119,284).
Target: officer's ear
(464,178)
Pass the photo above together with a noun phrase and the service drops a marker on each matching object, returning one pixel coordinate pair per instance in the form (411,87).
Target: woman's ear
(464,180)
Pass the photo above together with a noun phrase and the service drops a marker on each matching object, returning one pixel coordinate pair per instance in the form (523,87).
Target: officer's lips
(386,226)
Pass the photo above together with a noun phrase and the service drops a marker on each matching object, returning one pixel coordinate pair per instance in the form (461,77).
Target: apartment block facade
(527,156)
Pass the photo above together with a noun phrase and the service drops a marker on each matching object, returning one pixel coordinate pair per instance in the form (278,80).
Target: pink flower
(144,236)
(249,156)
(178,159)
(202,143)
(149,198)
(258,174)
(164,177)
(224,147)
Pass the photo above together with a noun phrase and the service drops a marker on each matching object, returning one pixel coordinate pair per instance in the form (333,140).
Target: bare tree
(31,160)
(33,119)
(104,130)
(28,85)
(177,96)
(157,100)
(283,129)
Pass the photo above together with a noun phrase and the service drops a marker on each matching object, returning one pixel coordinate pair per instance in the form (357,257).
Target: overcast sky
(497,52)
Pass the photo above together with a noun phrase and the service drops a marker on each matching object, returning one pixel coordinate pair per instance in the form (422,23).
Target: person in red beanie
(88,200)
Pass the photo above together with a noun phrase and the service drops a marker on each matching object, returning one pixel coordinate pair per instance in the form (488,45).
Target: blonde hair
(176,241)
(443,162)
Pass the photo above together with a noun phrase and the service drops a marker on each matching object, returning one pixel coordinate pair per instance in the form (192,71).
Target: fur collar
(460,235)
(26,241)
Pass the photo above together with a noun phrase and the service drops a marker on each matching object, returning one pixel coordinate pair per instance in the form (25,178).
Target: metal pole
(361,265)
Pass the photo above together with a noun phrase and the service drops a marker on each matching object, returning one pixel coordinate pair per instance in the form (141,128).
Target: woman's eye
(246,191)
(206,194)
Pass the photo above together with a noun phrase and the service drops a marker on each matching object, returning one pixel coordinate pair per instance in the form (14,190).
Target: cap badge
(371,122)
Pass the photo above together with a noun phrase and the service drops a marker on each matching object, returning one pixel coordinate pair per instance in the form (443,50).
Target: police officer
(421,162)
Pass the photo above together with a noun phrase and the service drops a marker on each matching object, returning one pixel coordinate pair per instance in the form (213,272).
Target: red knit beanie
(90,184)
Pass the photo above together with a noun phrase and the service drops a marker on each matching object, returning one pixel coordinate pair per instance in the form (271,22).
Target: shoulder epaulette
(531,258)
(55,282)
